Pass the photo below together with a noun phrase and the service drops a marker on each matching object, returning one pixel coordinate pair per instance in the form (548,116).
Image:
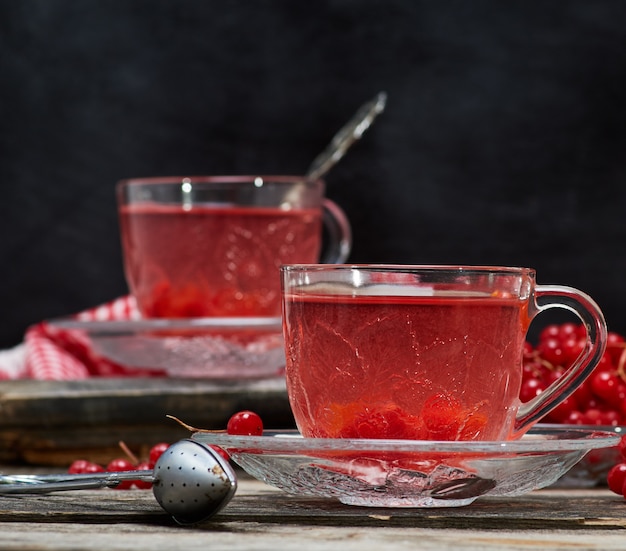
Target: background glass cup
(421,352)
(212,245)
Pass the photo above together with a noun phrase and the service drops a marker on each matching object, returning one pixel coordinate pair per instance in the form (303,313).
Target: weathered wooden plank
(251,537)
(36,403)
(258,503)
(556,510)
(260,517)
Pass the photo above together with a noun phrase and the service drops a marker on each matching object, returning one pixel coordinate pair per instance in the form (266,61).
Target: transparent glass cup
(212,246)
(421,352)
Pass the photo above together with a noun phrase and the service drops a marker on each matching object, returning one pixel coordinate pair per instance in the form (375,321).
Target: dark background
(503,141)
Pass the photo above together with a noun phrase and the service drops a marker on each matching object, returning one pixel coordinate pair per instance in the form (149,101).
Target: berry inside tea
(213,261)
(407,365)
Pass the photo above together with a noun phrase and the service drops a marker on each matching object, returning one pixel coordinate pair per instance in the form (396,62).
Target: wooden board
(256,502)
(260,517)
(52,423)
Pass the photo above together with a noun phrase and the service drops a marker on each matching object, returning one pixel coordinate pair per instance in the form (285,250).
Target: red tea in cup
(422,353)
(212,247)
(213,261)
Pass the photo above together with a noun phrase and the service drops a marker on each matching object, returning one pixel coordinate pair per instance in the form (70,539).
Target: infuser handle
(43,484)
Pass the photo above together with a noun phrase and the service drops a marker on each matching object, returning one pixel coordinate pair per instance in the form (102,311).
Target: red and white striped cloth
(51,353)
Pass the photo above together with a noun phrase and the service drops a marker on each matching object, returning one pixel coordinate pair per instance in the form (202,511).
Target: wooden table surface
(261,517)
(48,424)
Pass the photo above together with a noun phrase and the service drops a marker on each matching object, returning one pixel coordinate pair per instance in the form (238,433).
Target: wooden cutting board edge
(54,422)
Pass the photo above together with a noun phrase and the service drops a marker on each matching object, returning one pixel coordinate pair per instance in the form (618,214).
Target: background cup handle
(568,298)
(339,233)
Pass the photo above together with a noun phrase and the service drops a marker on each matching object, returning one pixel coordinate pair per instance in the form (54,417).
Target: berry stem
(131,456)
(191,428)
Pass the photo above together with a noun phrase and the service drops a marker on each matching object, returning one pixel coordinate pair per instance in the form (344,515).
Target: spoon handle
(346,136)
(43,484)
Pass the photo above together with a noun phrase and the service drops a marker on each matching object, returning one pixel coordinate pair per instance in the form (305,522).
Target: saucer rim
(119,327)
(542,438)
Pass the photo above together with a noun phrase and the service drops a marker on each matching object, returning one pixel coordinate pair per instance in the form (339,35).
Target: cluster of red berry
(243,423)
(128,463)
(600,400)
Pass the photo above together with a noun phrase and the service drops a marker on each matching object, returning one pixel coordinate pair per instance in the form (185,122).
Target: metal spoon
(346,136)
(190,481)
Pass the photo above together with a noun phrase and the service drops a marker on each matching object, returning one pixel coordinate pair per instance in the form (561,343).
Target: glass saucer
(593,469)
(193,347)
(409,473)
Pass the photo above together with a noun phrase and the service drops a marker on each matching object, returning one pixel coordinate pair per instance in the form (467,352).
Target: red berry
(562,412)
(551,350)
(615,346)
(567,331)
(611,418)
(576,418)
(583,394)
(528,350)
(594,417)
(83,466)
(531,370)
(606,362)
(581,331)
(441,414)
(531,388)
(605,385)
(221,451)
(245,423)
(143,484)
(572,348)
(621,391)
(121,465)
(549,332)
(552,375)
(381,422)
(156,451)
(616,477)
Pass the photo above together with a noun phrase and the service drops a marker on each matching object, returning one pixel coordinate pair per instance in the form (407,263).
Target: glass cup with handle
(421,352)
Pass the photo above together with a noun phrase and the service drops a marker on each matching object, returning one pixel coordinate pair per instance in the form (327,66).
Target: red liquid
(423,368)
(212,261)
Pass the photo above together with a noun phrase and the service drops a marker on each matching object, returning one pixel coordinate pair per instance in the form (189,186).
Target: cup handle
(339,232)
(558,296)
